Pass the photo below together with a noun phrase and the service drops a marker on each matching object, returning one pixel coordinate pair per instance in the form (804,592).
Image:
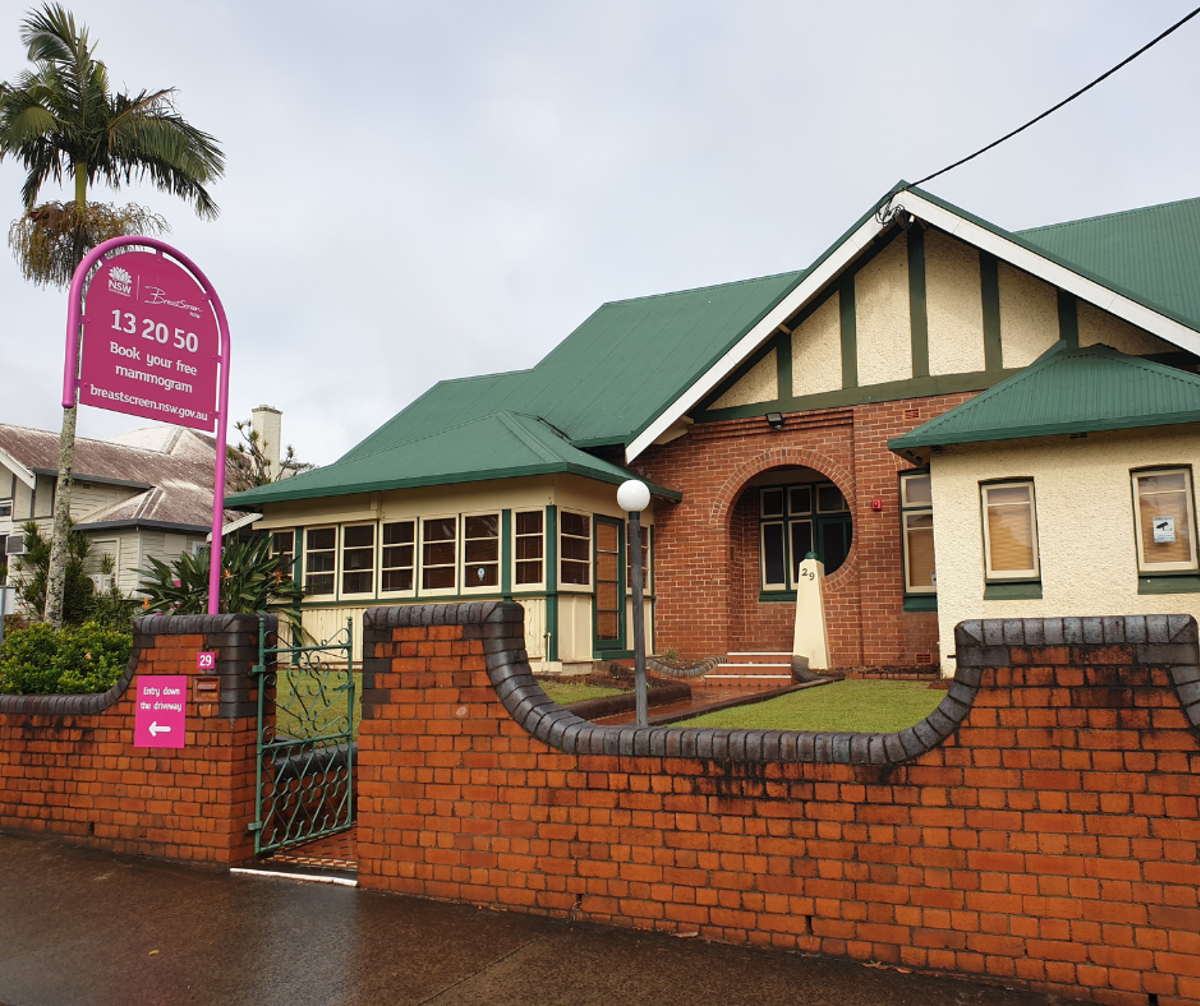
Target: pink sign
(206,660)
(160,720)
(151,342)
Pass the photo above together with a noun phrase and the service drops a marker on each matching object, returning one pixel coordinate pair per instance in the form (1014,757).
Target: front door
(610,586)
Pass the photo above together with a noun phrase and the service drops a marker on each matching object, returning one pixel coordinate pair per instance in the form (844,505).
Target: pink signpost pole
(150,349)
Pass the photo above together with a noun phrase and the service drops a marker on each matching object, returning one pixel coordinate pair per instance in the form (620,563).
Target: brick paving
(333,852)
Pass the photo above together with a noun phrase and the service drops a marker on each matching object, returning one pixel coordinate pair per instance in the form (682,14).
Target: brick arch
(837,473)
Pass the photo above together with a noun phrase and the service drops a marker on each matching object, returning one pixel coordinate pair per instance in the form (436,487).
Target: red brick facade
(706,548)
(1050,841)
(68,765)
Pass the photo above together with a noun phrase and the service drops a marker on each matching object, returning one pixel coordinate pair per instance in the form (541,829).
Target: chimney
(266,423)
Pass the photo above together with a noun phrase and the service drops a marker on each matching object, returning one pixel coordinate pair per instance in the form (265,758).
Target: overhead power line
(1066,101)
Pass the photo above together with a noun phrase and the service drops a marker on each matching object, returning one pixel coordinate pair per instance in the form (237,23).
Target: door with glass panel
(610,593)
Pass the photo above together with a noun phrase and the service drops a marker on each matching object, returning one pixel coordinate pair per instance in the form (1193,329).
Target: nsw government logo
(119,281)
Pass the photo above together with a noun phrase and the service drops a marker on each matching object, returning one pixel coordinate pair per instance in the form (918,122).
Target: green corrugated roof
(1067,391)
(610,376)
(501,445)
(601,385)
(1153,253)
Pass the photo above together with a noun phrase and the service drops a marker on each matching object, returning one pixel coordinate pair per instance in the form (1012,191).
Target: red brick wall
(1050,841)
(706,547)
(68,764)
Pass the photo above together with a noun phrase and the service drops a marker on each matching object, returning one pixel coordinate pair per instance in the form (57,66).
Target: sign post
(147,336)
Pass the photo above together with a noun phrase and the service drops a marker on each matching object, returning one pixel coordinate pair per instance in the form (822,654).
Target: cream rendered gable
(954,312)
(954,305)
(1028,317)
(816,350)
(761,384)
(882,316)
(1100,326)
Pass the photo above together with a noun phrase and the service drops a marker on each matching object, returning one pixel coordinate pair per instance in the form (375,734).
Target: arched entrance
(780,516)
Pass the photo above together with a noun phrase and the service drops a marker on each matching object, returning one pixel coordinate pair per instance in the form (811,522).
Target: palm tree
(62,122)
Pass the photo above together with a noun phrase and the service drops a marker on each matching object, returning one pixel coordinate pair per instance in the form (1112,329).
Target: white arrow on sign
(155,729)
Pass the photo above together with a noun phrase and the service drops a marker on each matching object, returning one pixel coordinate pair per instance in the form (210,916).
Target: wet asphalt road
(82,928)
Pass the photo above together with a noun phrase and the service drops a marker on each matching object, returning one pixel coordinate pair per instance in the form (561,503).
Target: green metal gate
(306,751)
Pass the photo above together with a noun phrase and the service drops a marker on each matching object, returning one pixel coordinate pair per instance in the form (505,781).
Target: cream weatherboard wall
(570,619)
(1085,524)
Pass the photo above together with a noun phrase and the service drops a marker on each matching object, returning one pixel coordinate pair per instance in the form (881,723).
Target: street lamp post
(633,497)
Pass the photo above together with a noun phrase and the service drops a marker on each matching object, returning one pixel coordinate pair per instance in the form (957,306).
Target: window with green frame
(916,519)
(794,520)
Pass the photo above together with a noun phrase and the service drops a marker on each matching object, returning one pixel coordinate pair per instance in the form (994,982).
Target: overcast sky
(419,191)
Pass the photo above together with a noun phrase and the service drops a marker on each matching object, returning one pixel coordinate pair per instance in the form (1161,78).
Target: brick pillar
(68,764)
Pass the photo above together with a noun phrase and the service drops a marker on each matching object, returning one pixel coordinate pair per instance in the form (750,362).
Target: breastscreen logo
(119,281)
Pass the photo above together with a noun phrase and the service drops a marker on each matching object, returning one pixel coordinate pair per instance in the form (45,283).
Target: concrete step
(759,657)
(749,680)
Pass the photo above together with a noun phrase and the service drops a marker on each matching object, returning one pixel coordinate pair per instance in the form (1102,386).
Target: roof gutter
(902,445)
(138,522)
(99,480)
(354,489)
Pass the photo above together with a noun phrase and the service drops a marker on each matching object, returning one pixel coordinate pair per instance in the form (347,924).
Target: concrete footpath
(79,927)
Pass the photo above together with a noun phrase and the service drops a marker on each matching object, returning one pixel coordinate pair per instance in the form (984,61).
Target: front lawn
(566,692)
(859,706)
(306,714)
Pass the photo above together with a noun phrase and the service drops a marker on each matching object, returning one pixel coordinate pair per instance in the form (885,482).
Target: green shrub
(85,658)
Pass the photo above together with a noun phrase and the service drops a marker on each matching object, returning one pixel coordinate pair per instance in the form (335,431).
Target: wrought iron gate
(306,751)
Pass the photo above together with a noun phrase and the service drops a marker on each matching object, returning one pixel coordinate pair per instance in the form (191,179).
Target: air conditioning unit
(14,544)
(102,582)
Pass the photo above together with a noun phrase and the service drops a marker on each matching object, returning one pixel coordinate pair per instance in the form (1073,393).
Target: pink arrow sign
(160,719)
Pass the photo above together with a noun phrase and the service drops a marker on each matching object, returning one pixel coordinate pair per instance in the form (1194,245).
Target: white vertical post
(810,638)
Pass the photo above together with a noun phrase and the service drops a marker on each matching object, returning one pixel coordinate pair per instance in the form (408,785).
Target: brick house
(760,413)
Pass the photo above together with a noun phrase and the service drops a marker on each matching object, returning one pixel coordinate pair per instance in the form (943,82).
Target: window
(530,546)
(916,516)
(439,541)
(283,547)
(358,559)
(6,508)
(609,596)
(798,519)
(320,560)
(481,551)
(575,548)
(399,553)
(1163,513)
(1010,531)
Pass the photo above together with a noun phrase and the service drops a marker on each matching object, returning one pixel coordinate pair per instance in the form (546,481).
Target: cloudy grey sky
(424,190)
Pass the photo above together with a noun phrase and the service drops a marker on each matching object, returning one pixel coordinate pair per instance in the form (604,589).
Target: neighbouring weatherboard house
(800,412)
(139,495)
(144,493)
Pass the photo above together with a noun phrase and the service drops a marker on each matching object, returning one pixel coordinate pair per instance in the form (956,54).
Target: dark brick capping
(1165,641)
(234,637)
